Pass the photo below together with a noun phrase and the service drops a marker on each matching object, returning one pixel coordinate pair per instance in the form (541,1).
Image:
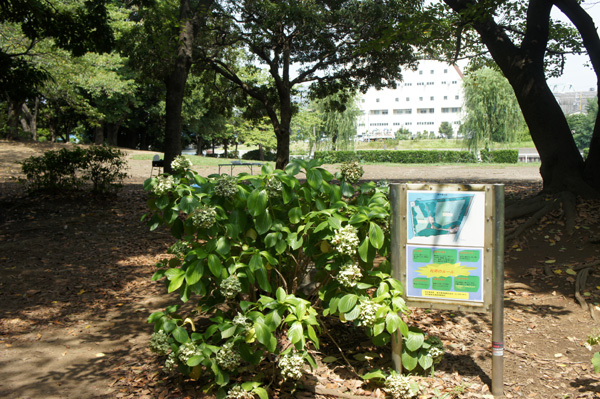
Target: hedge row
(418,156)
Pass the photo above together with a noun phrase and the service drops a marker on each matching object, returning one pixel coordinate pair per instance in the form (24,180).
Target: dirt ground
(75,292)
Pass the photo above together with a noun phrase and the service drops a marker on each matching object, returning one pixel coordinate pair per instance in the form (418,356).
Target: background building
(422,101)
(572,102)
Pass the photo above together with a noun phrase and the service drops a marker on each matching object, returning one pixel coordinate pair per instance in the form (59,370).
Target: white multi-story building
(421,102)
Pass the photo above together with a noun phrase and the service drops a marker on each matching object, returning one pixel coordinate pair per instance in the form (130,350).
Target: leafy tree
(528,46)
(492,111)
(446,130)
(342,38)
(339,126)
(582,125)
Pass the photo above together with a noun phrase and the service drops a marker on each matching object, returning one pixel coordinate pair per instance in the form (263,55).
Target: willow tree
(492,111)
(339,113)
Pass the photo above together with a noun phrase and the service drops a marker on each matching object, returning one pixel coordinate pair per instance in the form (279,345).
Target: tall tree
(492,112)
(329,44)
(522,39)
(339,119)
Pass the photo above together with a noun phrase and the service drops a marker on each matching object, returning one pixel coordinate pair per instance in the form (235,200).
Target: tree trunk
(175,83)
(562,166)
(99,134)
(29,118)
(112,133)
(13,120)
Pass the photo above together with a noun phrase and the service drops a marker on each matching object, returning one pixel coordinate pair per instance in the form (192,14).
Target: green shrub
(499,156)
(254,155)
(395,156)
(71,169)
(264,259)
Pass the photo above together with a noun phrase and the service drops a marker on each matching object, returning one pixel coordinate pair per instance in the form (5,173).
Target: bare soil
(75,292)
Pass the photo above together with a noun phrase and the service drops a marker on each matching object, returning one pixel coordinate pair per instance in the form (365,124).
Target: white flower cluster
(180,248)
(368,309)
(226,186)
(171,363)
(349,274)
(230,287)
(164,185)
(352,171)
(346,240)
(273,187)
(383,184)
(237,392)
(204,217)
(399,387)
(291,366)
(159,343)
(228,358)
(181,164)
(436,351)
(186,351)
(242,321)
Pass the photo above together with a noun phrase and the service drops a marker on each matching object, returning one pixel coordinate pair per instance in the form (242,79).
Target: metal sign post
(448,252)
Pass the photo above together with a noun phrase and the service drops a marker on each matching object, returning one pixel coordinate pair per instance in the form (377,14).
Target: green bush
(395,156)
(264,259)
(71,169)
(254,155)
(499,156)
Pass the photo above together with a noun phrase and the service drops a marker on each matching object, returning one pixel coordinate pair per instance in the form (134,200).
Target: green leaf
(335,223)
(162,202)
(195,360)
(294,241)
(363,250)
(353,314)
(271,239)
(263,222)
(347,189)
(295,215)
(215,266)
(415,339)
(228,332)
(176,282)
(314,178)
(596,362)
(256,262)
(263,279)
(312,334)
(265,336)
(375,235)
(257,202)
(392,322)
(223,246)
(378,374)
(296,332)
(409,360)
(261,392)
(194,272)
(378,328)
(180,334)
(425,361)
(347,302)
(281,246)
(280,294)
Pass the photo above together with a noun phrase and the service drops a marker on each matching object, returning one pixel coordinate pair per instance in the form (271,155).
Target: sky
(577,76)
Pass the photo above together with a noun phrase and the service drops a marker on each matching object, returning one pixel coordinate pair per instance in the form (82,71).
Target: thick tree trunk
(562,165)
(29,118)
(175,83)
(112,133)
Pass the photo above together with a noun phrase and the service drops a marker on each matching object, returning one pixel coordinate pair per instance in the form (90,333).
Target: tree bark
(29,118)
(562,166)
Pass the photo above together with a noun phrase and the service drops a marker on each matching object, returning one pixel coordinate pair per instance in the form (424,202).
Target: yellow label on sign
(446,294)
(445,270)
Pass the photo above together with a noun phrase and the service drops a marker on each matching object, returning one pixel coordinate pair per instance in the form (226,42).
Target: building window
(420,72)
(443,82)
(456,97)
(402,111)
(374,112)
(408,123)
(407,84)
(430,83)
(420,83)
(376,100)
(420,98)
(445,71)
(384,112)
(454,82)
(397,99)
(407,98)
(431,98)
(445,97)
(431,72)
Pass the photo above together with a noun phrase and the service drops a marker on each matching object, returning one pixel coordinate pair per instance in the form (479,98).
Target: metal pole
(396,254)
(498,294)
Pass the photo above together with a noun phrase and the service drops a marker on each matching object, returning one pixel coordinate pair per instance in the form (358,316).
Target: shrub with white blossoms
(228,357)
(181,164)
(186,351)
(291,366)
(204,217)
(273,187)
(171,363)
(226,186)
(159,343)
(241,320)
(346,240)
(237,392)
(368,310)
(400,386)
(436,351)
(352,171)
(349,274)
(164,184)
(230,287)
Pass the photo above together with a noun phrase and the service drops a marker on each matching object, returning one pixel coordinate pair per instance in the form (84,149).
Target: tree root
(538,207)
(581,279)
